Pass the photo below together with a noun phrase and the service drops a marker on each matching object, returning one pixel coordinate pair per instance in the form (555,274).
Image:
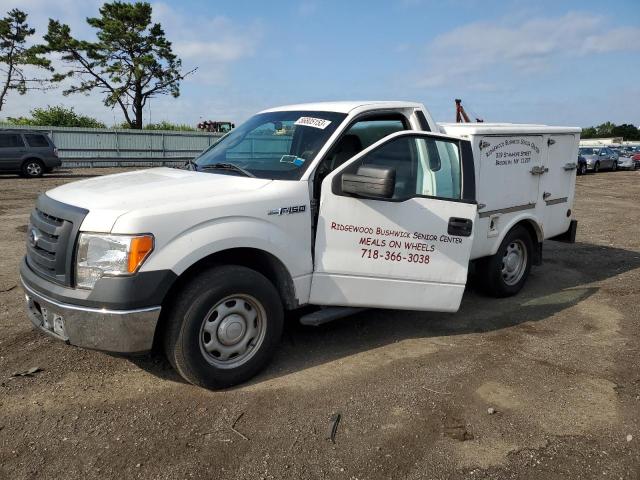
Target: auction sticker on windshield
(313,122)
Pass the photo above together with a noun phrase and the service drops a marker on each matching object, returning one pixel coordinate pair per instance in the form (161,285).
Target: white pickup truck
(338,205)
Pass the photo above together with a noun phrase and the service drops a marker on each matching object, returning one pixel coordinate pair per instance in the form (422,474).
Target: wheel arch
(259,260)
(29,157)
(535,230)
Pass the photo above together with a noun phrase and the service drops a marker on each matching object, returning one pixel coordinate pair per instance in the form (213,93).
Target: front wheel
(505,273)
(614,166)
(224,326)
(596,167)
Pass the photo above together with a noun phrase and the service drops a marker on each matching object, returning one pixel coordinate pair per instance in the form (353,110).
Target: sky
(560,62)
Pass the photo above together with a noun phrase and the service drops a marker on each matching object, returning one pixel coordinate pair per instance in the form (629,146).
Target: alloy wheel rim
(34,169)
(514,262)
(233,331)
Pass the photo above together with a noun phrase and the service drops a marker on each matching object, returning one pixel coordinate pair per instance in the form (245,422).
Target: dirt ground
(559,363)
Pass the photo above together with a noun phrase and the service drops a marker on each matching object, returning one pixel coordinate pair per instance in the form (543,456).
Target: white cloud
(213,43)
(527,46)
(209,43)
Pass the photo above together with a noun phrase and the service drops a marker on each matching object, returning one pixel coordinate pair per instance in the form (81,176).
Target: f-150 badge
(287,210)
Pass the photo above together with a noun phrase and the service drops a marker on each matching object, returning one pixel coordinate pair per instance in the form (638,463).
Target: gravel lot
(559,364)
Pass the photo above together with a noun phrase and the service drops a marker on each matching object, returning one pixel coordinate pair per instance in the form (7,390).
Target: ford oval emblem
(34,236)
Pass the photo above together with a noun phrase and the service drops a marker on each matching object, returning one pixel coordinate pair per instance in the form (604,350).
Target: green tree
(57,116)
(163,125)
(131,61)
(605,129)
(627,131)
(15,56)
(589,132)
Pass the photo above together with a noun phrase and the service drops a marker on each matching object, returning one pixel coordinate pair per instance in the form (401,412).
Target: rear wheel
(505,273)
(614,166)
(224,326)
(32,168)
(582,169)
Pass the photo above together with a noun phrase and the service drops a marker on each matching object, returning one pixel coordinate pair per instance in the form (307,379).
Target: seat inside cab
(360,135)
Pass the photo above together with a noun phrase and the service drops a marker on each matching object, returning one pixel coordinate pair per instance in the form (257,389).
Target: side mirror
(370,182)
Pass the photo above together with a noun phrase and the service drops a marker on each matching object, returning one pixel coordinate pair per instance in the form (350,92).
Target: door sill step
(328,314)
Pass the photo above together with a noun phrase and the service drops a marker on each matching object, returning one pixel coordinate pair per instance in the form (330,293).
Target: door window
(10,140)
(370,131)
(359,136)
(36,140)
(423,166)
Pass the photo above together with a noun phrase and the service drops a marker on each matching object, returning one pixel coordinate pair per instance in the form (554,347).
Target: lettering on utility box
(394,245)
(512,151)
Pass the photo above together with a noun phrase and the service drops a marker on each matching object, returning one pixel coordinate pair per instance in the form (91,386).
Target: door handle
(539,170)
(460,227)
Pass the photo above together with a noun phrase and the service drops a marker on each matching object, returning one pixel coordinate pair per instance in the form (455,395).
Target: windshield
(277,145)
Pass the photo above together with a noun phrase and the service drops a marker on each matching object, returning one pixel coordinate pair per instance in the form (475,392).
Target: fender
(518,218)
(30,155)
(232,232)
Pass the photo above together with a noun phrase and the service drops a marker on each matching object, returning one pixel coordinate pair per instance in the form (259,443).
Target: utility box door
(507,167)
(558,183)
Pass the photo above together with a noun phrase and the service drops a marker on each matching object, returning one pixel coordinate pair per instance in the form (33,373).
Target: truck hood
(110,196)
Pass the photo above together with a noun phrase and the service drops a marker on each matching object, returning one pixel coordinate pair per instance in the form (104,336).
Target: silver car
(626,162)
(599,158)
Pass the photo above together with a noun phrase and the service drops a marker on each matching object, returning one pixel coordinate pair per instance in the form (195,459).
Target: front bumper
(118,331)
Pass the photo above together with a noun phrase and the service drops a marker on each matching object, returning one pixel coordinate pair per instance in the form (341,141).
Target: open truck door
(396,225)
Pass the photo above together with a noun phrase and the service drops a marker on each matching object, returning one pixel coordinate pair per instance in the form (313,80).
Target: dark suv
(28,153)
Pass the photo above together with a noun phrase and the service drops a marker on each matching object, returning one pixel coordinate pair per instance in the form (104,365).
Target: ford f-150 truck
(337,205)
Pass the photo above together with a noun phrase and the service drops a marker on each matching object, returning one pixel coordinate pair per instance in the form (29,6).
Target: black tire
(582,169)
(614,166)
(32,168)
(596,167)
(491,276)
(185,334)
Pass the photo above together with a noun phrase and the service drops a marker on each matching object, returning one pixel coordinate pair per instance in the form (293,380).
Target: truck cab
(337,205)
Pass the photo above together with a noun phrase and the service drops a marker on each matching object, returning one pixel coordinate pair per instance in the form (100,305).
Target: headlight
(112,255)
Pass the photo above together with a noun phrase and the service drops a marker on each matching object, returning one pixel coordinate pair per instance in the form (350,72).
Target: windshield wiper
(227,166)
(189,165)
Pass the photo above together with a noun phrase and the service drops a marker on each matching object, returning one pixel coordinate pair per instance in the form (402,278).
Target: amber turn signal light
(139,250)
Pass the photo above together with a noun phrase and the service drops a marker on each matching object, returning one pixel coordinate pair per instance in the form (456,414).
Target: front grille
(51,236)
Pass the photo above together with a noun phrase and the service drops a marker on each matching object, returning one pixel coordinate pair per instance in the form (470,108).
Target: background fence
(106,147)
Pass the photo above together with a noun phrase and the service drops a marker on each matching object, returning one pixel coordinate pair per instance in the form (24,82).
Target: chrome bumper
(118,331)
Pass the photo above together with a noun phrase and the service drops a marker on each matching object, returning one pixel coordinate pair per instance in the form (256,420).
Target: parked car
(582,165)
(626,151)
(626,163)
(31,154)
(636,159)
(599,157)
